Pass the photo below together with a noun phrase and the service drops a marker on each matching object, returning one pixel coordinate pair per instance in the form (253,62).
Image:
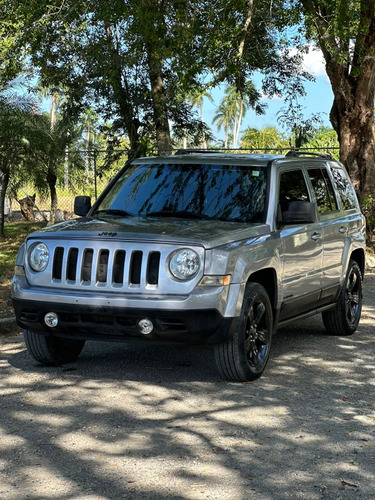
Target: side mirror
(82,205)
(299,212)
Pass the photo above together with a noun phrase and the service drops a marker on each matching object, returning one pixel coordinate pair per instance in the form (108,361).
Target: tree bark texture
(52,179)
(159,103)
(350,68)
(154,38)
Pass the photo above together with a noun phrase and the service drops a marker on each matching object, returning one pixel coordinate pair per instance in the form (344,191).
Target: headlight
(38,257)
(184,264)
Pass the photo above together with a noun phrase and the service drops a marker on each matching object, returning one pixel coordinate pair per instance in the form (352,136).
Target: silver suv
(198,248)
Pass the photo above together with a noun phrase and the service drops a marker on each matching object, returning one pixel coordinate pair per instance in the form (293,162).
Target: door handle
(343,229)
(316,236)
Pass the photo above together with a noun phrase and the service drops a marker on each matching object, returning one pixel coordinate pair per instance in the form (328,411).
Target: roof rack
(294,153)
(191,151)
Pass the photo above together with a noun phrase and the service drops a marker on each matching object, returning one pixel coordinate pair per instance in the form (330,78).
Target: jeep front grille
(102,267)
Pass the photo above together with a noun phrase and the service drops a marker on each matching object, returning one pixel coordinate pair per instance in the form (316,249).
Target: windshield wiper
(182,214)
(115,212)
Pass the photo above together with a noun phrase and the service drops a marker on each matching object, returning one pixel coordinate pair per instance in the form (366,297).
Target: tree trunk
(4,181)
(27,208)
(66,167)
(353,120)
(53,111)
(350,66)
(52,179)
(159,102)
(88,152)
(121,95)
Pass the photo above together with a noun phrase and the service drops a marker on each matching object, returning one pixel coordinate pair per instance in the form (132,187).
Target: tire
(51,350)
(344,318)
(244,356)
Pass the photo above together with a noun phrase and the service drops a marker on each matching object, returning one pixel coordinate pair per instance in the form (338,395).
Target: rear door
(334,228)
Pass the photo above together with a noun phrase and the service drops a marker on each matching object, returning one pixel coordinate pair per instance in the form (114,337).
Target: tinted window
(227,192)
(323,190)
(292,188)
(345,189)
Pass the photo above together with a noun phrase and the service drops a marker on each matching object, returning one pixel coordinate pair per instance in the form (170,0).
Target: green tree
(223,118)
(267,138)
(17,133)
(233,107)
(196,99)
(47,160)
(299,128)
(134,59)
(325,139)
(12,53)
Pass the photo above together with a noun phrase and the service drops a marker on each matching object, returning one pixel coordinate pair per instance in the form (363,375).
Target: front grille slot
(87,265)
(118,267)
(57,263)
(102,269)
(153,268)
(136,267)
(71,269)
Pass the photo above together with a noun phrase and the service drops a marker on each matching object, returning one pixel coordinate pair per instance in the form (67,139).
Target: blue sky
(318,99)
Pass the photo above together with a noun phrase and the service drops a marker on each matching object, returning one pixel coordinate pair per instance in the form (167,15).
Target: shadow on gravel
(146,422)
(153,422)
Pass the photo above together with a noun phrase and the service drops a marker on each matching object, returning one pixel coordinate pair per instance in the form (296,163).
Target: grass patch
(14,235)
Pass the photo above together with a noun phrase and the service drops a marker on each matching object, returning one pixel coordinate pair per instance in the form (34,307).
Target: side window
(292,188)
(345,189)
(323,190)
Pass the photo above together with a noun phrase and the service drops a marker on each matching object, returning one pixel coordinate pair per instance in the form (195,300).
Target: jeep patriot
(197,247)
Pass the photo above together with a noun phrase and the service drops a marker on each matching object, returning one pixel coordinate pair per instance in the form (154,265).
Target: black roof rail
(294,153)
(191,151)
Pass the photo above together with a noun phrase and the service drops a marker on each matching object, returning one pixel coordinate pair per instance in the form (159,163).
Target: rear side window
(323,190)
(345,189)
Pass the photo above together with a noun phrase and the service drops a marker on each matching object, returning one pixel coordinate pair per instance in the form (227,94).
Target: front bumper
(208,315)
(110,323)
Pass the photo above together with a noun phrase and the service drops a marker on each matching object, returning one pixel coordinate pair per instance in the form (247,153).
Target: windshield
(221,192)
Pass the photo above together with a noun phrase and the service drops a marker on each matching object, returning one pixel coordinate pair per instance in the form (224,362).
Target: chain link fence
(23,201)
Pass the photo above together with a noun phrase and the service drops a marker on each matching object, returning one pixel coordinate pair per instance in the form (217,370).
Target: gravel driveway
(146,422)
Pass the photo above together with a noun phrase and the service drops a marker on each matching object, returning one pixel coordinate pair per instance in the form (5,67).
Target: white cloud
(314,62)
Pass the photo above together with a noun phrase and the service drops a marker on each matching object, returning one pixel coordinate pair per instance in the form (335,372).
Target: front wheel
(51,350)
(244,356)
(344,318)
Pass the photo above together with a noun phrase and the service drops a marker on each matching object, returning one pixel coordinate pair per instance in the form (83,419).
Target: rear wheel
(244,356)
(51,350)
(344,318)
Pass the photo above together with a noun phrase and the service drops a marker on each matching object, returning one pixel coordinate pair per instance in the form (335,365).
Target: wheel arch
(358,256)
(268,279)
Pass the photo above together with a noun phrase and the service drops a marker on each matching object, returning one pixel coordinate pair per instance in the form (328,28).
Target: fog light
(145,326)
(51,319)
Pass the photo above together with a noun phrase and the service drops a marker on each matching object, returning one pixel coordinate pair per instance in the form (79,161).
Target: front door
(302,251)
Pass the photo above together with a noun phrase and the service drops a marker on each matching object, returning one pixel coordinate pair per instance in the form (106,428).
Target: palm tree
(223,119)
(48,161)
(90,118)
(196,99)
(234,105)
(265,138)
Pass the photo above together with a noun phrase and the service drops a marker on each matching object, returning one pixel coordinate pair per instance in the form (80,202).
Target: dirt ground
(146,422)
(6,309)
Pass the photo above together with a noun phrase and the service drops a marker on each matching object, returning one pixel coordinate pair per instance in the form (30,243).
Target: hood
(206,233)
